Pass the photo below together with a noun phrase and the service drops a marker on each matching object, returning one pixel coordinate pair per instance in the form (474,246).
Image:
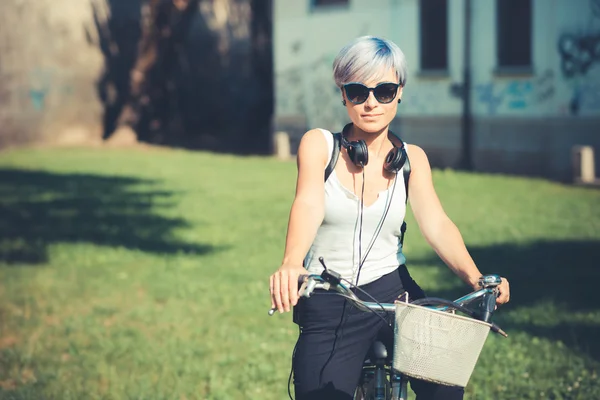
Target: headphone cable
(377,229)
(381,222)
(360,225)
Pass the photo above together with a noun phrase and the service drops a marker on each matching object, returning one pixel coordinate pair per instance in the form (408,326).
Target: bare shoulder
(313,146)
(417,155)
(314,136)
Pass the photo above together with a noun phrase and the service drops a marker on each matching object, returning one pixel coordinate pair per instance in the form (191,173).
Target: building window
(514,33)
(318,3)
(434,35)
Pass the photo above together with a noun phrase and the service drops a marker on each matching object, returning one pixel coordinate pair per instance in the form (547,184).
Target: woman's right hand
(283,286)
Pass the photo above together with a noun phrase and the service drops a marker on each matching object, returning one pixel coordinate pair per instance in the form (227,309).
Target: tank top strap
(329,139)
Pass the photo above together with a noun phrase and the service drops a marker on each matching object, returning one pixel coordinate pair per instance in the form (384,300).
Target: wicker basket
(437,346)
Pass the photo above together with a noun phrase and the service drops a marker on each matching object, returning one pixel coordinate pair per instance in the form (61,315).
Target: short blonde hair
(367,57)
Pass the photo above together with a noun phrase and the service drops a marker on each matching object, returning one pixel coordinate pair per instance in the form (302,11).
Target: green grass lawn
(143,274)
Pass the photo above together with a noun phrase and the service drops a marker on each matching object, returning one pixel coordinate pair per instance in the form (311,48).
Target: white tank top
(337,239)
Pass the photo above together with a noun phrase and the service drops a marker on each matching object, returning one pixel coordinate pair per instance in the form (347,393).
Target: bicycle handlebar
(332,280)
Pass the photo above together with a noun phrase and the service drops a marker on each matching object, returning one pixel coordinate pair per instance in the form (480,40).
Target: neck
(374,140)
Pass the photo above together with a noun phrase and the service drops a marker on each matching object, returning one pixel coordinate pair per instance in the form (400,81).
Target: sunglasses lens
(386,92)
(356,93)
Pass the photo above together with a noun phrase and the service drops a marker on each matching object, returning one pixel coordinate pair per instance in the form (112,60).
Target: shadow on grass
(564,274)
(40,208)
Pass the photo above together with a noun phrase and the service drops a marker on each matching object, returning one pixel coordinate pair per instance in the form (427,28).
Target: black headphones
(359,153)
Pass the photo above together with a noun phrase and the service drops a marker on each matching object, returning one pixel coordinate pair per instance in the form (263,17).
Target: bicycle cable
(449,303)
(292,367)
(369,296)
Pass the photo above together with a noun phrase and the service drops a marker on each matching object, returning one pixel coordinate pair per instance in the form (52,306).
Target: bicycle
(422,333)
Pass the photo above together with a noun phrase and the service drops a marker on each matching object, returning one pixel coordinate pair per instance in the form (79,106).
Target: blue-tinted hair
(368,57)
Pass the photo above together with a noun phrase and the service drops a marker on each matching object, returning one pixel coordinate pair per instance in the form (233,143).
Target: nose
(371,100)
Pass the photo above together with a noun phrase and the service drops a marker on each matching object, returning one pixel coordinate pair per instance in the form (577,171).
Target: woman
(353,221)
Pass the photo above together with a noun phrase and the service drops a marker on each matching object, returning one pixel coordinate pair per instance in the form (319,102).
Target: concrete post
(583,164)
(281,145)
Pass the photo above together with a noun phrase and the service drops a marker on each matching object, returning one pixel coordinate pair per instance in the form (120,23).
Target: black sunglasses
(358,93)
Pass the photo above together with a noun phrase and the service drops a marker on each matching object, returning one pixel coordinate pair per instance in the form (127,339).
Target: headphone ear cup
(358,152)
(395,159)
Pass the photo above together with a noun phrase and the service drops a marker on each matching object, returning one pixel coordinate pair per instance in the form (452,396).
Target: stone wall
(49,65)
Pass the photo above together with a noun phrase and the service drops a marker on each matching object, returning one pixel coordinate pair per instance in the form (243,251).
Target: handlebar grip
(307,288)
(301,280)
(495,328)
(488,306)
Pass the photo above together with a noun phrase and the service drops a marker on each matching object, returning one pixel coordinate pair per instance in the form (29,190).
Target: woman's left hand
(503,292)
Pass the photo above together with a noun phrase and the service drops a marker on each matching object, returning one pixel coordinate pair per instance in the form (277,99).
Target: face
(373,115)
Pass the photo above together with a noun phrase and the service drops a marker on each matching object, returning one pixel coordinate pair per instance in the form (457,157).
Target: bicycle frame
(396,385)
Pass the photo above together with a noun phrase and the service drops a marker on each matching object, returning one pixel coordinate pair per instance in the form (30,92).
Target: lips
(370,115)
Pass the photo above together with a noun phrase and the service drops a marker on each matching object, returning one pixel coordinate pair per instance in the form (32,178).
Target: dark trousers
(335,338)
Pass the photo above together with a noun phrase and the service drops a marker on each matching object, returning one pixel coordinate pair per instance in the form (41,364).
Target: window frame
(426,67)
(339,5)
(508,63)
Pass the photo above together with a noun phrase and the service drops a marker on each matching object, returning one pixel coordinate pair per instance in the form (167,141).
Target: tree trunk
(146,102)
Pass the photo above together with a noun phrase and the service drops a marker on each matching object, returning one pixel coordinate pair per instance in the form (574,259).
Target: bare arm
(306,215)
(437,228)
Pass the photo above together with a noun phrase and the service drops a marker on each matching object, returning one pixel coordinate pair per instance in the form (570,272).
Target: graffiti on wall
(40,80)
(579,52)
(309,90)
(579,55)
(516,95)
(426,98)
(43,84)
(586,97)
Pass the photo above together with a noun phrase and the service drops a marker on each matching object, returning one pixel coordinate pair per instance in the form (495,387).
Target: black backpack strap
(406,170)
(335,153)
(406,166)
(406,174)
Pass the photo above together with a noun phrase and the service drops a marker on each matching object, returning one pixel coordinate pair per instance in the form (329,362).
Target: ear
(399,95)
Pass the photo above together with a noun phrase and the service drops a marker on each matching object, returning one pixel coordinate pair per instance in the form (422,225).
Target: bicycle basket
(437,346)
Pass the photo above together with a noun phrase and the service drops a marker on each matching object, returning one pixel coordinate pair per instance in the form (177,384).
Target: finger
(271,291)
(277,292)
(502,298)
(285,291)
(505,290)
(293,285)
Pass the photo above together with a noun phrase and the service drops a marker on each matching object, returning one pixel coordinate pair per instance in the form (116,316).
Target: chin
(372,126)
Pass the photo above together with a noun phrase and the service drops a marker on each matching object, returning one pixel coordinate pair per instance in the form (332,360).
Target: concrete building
(534,89)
